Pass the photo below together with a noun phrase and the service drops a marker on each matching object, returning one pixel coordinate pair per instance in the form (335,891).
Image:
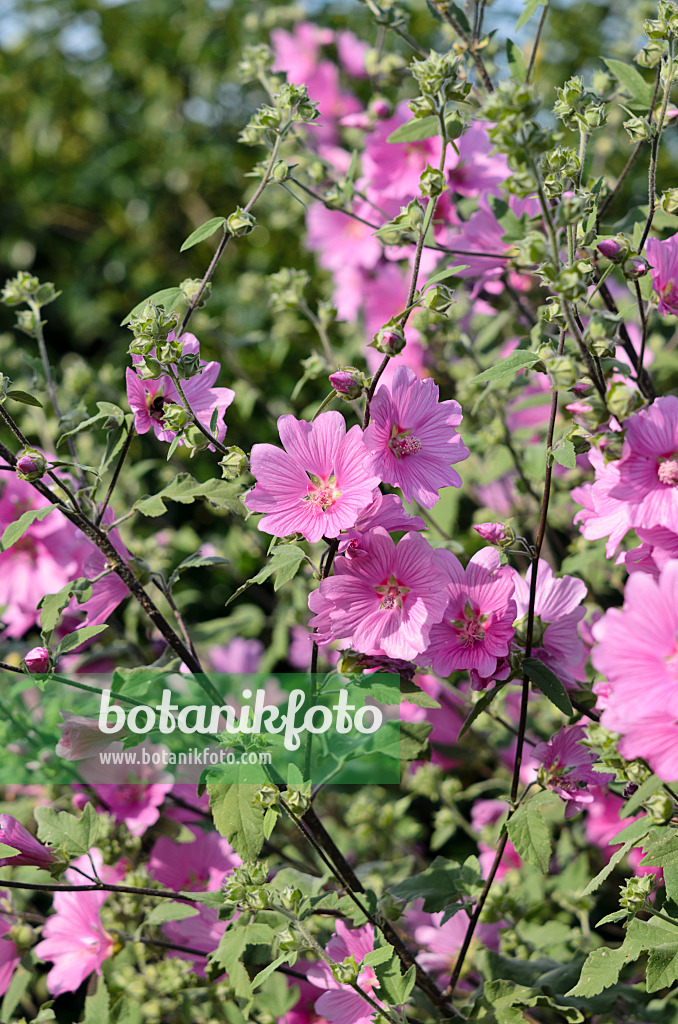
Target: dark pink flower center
(322,494)
(403,443)
(667,472)
(392,593)
(470,628)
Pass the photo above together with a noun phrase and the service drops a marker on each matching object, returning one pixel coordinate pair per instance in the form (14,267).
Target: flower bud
(81,737)
(28,321)
(267,796)
(438,299)
(390,907)
(234,463)
(195,439)
(240,223)
(379,107)
(414,214)
(634,893)
(660,808)
(346,972)
(389,340)
(31,465)
(191,288)
(634,268)
(432,181)
(348,382)
(37,661)
(612,249)
(175,417)
(188,365)
(5,385)
(562,371)
(494,533)
(669,200)
(280,171)
(622,401)
(298,801)
(149,368)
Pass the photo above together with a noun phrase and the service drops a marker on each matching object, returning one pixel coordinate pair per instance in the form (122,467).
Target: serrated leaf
(97,1006)
(528,10)
(167,297)
(186,489)
(395,986)
(195,562)
(646,789)
(530,834)
(285,562)
(237,818)
(547,682)
(662,850)
(516,61)
(262,976)
(618,915)
(602,967)
(24,398)
(78,637)
(565,454)
(205,230)
(416,130)
(632,80)
(507,368)
(52,605)
(443,882)
(480,705)
(618,855)
(18,528)
(62,830)
(662,966)
(169,910)
(108,413)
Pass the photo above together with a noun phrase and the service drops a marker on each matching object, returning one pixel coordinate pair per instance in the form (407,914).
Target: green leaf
(414,742)
(565,454)
(205,230)
(480,705)
(507,368)
(516,61)
(662,850)
(629,844)
(169,910)
(632,80)
(529,832)
(262,976)
(77,637)
(285,562)
(529,9)
(97,1006)
(443,882)
(229,953)
(24,398)
(167,297)
(14,994)
(76,836)
(52,605)
(194,562)
(186,489)
(378,956)
(108,418)
(416,130)
(17,529)
(395,985)
(547,682)
(662,966)
(448,272)
(237,818)
(602,967)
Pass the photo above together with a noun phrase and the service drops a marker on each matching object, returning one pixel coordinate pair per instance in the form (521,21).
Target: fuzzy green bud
(622,401)
(432,181)
(188,365)
(634,893)
(563,371)
(390,340)
(438,299)
(660,808)
(240,223)
(234,464)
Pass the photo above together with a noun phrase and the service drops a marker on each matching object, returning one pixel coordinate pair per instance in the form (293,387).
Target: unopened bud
(389,340)
(31,465)
(234,463)
(240,223)
(37,661)
(432,181)
(612,249)
(634,268)
(348,382)
(494,533)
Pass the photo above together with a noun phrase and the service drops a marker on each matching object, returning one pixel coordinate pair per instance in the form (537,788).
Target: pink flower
(49,555)
(30,851)
(10,956)
(558,610)
(239,656)
(202,864)
(343,241)
(132,793)
(485,813)
(477,626)
(493,533)
(637,653)
(352,52)
(147,398)
(341,1004)
(567,768)
(603,515)
(317,486)
(386,511)
(37,660)
(648,468)
(393,169)
(663,257)
(476,170)
(74,938)
(440,942)
(80,737)
(411,438)
(387,601)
